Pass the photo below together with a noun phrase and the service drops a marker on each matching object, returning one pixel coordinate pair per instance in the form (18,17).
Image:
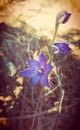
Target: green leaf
(11,69)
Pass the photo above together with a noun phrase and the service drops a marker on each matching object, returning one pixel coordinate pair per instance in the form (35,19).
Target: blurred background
(26,27)
(39,14)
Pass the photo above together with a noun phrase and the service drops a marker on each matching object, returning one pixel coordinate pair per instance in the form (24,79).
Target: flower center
(41,70)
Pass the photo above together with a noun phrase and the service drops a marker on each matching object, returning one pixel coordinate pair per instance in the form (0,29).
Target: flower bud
(62,17)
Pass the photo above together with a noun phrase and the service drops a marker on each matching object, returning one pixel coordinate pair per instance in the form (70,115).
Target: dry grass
(58,107)
(21,105)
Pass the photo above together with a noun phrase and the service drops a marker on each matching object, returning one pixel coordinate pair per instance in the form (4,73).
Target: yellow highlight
(8,98)
(17,91)
(20,80)
(3,121)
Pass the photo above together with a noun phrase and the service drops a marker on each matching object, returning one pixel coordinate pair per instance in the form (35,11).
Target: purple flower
(62,17)
(38,71)
(61,47)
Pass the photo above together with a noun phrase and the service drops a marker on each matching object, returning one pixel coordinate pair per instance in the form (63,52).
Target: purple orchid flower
(61,47)
(38,70)
(62,17)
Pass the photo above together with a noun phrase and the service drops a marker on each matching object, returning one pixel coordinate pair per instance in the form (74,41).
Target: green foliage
(11,69)
(9,39)
(29,45)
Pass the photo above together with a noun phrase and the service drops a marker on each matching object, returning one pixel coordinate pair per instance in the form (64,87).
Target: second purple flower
(61,47)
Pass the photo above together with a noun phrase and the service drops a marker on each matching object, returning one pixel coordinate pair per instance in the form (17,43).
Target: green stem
(55,33)
(52,42)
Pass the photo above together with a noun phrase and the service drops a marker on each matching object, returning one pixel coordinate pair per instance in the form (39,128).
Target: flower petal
(33,64)
(28,73)
(66,18)
(42,60)
(36,79)
(55,49)
(44,81)
(47,69)
(65,50)
(60,44)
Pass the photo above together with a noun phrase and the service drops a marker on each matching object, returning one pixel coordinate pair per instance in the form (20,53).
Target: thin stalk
(55,33)
(51,110)
(61,99)
(52,42)
(36,109)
